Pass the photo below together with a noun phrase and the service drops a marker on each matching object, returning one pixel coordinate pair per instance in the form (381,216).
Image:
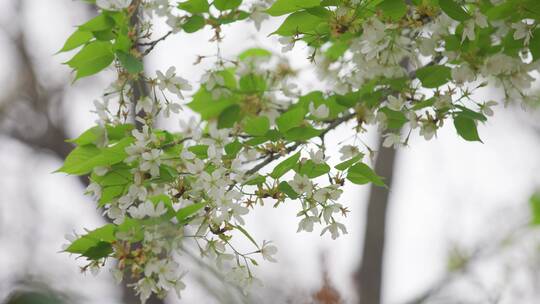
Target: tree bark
(43,101)
(368,278)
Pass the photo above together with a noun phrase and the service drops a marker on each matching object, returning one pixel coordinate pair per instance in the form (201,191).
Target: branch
(334,124)
(152,45)
(482,252)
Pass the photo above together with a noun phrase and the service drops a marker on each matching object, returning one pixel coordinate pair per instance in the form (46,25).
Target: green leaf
(394,119)
(300,22)
(167,174)
(119,175)
(393,9)
(452,43)
(434,76)
(285,166)
(90,136)
(454,10)
(122,43)
(346,164)
(204,104)
(99,251)
(201,151)
(466,128)
(302,133)
(133,228)
(118,132)
(78,156)
(99,23)
(252,83)
(257,180)
(193,24)
(282,7)
(466,112)
(361,174)
(224,5)
(273,135)
(83,159)
(233,16)
(312,169)
(337,49)
(233,148)
(254,52)
(92,241)
(257,126)
(287,189)
(290,119)
(255,141)
(184,213)
(130,63)
(229,116)
(109,193)
(534,45)
(78,38)
(505,10)
(194,6)
(534,203)
(106,35)
(424,104)
(92,58)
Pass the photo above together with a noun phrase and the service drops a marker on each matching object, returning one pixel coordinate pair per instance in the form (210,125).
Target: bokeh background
(457,223)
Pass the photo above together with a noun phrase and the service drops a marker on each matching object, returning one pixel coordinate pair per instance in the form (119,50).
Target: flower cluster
(256,137)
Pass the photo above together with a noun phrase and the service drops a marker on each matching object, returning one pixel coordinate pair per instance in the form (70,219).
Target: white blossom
(212,80)
(94,189)
(147,209)
(145,287)
(522,31)
(101,109)
(469,29)
(485,108)
(172,107)
(151,161)
(334,229)
(289,89)
(268,250)
(348,151)
(428,130)
(462,74)
(146,103)
(116,214)
(306,224)
(301,184)
(317,156)
(392,139)
(287,43)
(326,194)
(175,84)
(191,128)
(395,103)
(196,167)
(258,14)
(329,210)
(321,112)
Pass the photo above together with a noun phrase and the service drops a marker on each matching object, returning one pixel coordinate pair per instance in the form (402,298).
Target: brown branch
(152,45)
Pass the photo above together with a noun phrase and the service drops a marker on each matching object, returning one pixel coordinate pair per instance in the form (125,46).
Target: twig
(152,45)
(334,124)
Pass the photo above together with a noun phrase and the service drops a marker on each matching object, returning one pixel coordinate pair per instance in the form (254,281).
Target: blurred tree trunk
(369,275)
(43,103)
